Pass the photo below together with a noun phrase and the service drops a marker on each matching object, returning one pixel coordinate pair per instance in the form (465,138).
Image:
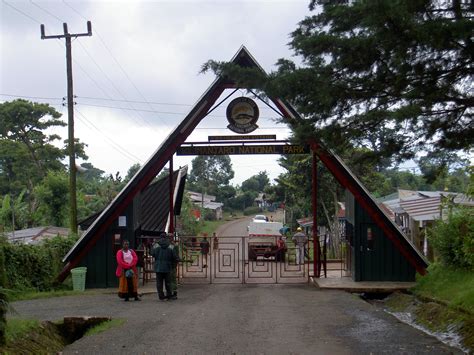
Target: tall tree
(210,172)
(374,65)
(26,122)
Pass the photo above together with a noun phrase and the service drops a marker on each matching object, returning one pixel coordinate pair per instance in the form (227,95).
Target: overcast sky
(143,63)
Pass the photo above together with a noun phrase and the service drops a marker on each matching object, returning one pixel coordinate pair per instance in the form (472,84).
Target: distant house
(36,235)
(261,200)
(413,211)
(207,202)
(307,222)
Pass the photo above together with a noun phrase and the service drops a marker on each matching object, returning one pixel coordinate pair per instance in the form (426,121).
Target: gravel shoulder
(241,319)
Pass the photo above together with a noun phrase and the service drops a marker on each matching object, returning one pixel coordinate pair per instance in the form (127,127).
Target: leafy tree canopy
(25,122)
(210,172)
(400,68)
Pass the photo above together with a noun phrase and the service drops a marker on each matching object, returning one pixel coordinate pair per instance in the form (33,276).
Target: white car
(260,218)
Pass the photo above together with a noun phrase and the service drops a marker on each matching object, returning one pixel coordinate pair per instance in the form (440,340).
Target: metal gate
(238,260)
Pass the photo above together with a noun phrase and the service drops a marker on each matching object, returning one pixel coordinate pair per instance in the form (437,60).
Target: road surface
(239,319)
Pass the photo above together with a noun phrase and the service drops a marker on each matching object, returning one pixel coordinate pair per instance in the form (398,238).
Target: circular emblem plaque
(242,114)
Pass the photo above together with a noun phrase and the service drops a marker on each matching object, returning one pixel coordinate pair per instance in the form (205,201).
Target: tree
(26,122)
(132,171)
(403,66)
(210,172)
(251,184)
(53,198)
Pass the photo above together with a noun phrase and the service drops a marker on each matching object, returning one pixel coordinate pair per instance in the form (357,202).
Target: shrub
(251,210)
(454,239)
(209,215)
(34,266)
(3,315)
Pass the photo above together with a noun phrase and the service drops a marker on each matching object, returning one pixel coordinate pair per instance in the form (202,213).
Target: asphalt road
(239,319)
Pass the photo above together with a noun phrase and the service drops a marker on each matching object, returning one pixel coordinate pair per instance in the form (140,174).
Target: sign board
(281,149)
(242,114)
(241,137)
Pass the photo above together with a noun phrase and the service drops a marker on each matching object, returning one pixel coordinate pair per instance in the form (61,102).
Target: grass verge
(14,295)
(18,328)
(453,287)
(105,326)
(26,336)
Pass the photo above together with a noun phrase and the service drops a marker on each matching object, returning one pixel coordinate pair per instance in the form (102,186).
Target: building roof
(197,197)
(154,204)
(423,205)
(422,208)
(36,234)
(154,208)
(212,205)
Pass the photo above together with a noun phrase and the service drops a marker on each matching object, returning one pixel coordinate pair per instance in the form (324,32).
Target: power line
(21,12)
(118,64)
(46,11)
(144,102)
(33,97)
(113,84)
(61,20)
(133,101)
(155,111)
(113,144)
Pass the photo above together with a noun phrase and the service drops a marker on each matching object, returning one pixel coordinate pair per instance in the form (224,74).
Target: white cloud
(161,45)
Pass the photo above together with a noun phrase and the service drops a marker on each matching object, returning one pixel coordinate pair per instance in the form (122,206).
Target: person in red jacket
(127,272)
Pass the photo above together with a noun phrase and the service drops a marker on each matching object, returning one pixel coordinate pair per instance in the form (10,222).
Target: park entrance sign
(391,253)
(243,149)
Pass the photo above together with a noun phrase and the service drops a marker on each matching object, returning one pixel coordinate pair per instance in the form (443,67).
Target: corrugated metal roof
(155,203)
(36,234)
(422,209)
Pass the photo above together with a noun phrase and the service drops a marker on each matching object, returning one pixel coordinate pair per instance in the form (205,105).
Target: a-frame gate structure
(412,260)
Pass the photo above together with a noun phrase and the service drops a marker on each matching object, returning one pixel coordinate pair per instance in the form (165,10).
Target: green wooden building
(146,215)
(373,255)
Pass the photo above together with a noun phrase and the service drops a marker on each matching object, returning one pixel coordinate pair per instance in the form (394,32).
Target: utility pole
(70,121)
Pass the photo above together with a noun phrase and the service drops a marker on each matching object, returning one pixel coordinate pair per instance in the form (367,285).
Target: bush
(34,266)
(209,215)
(251,210)
(453,239)
(3,315)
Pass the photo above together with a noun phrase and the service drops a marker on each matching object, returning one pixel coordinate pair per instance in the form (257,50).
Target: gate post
(171,187)
(314,202)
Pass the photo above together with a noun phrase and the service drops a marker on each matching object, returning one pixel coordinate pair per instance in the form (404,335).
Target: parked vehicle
(262,239)
(260,218)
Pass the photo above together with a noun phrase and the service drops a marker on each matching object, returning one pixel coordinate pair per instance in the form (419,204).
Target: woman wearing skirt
(127,272)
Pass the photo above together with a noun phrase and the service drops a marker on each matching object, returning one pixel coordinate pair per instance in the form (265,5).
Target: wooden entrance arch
(403,249)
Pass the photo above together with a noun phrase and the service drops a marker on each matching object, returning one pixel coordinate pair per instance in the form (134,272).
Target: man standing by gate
(165,260)
(300,239)
(173,274)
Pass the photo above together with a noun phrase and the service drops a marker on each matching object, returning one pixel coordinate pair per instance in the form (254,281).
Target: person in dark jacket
(165,260)
(205,246)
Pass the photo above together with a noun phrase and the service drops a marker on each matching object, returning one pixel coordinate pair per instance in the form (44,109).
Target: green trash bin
(79,278)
